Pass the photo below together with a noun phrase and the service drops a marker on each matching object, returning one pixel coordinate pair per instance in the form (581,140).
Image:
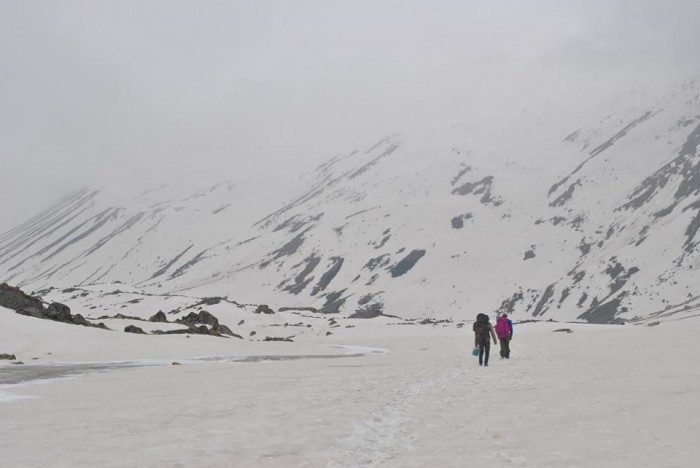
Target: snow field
(614,396)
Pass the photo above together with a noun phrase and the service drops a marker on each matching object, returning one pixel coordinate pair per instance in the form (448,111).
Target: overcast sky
(97,92)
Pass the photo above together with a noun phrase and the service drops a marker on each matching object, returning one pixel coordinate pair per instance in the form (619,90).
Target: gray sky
(95,92)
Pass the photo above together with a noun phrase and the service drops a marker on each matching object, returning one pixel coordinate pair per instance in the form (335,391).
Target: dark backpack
(481,327)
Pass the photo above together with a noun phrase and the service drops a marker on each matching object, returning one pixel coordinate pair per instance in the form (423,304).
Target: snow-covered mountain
(575,208)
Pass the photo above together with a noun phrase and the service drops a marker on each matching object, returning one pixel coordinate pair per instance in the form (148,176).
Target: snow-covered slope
(573,208)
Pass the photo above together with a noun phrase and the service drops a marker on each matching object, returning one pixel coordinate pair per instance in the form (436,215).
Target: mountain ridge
(599,224)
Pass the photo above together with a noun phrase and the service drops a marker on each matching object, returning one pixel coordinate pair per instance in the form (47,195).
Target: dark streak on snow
(458,221)
(287,249)
(483,186)
(681,165)
(459,175)
(393,147)
(199,257)
(599,149)
(334,301)
(565,196)
(124,227)
(301,280)
(171,263)
(548,293)
(406,263)
(327,277)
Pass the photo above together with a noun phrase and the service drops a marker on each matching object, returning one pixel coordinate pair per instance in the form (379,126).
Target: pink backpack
(502,328)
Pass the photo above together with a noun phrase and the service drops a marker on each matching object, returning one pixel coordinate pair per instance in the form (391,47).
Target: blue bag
(475,351)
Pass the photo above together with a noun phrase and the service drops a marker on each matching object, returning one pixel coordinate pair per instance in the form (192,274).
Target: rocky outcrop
(264,309)
(9,357)
(203,318)
(134,329)
(204,323)
(15,299)
(159,317)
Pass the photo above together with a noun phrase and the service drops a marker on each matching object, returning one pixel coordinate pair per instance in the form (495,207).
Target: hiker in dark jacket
(482,328)
(504,331)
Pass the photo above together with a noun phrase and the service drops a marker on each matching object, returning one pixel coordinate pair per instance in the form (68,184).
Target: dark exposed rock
(565,196)
(58,312)
(32,312)
(302,309)
(406,263)
(288,249)
(584,247)
(9,357)
(463,170)
(564,294)
(565,330)
(379,261)
(209,301)
(546,296)
(302,279)
(224,330)
(484,186)
(171,263)
(264,309)
(203,317)
(278,338)
(334,301)
(578,276)
(601,313)
(327,277)
(431,321)
(529,254)
(369,311)
(582,299)
(388,151)
(197,258)
(134,329)
(159,317)
(13,298)
(599,149)
(80,320)
(458,221)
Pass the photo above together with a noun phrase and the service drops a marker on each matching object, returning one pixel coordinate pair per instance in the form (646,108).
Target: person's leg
(503,347)
(506,352)
(487,347)
(481,354)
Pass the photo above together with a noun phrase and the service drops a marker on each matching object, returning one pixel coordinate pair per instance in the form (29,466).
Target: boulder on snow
(264,309)
(32,312)
(59,312)
(13,298)
(9,357)
(134,329)
(159,317)
(224,330)
(203,318)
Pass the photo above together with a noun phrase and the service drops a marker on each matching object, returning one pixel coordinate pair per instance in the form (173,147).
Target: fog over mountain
(257,233)
(141,93)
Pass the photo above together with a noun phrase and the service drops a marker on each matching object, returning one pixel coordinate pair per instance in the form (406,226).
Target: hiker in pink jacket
(504,331)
